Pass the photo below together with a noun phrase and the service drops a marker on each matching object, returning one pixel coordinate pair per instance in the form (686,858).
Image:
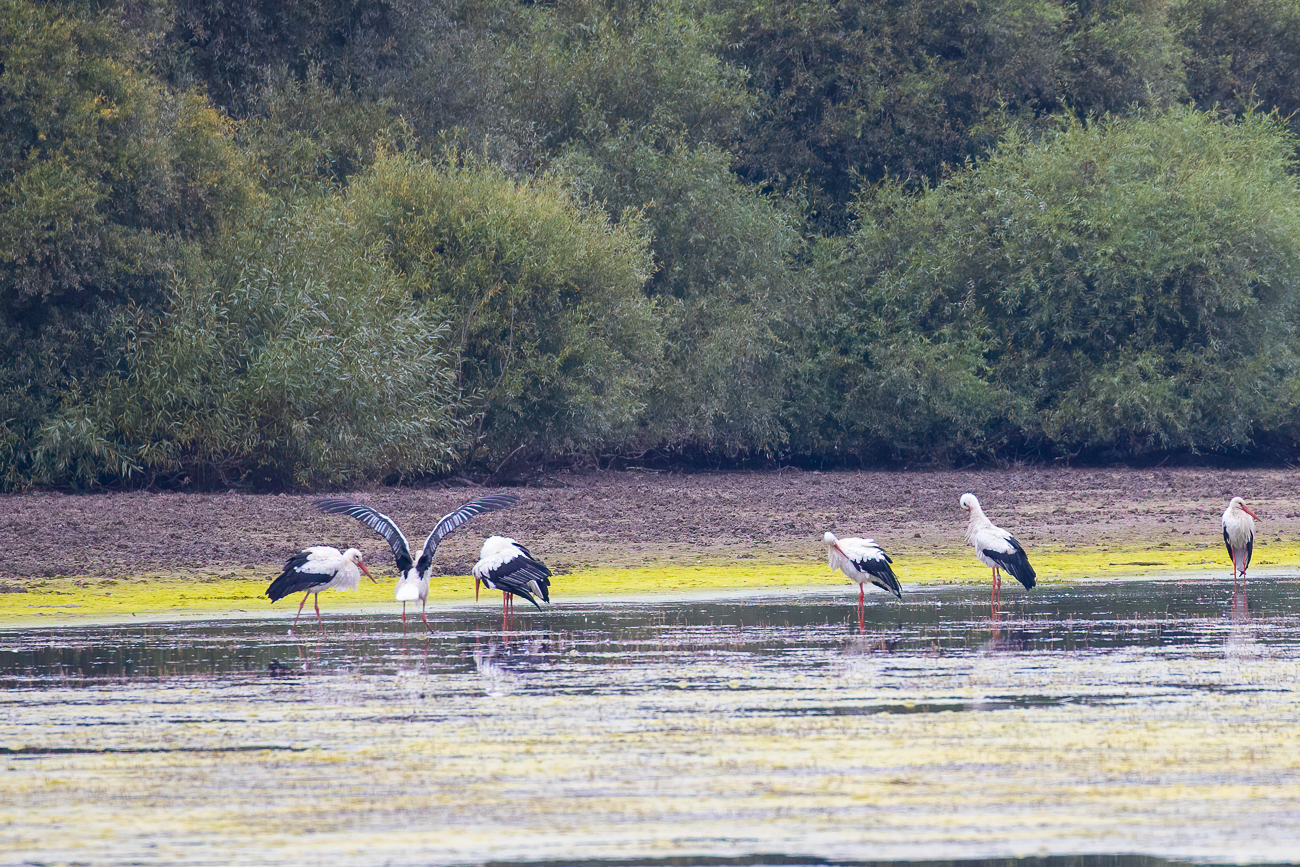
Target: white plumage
(507,566)
(413,580)
(996,548)
(1239,536)
(318,568)
(864,562)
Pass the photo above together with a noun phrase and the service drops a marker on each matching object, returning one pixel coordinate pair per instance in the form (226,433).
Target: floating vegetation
(1138,717)
(240,595)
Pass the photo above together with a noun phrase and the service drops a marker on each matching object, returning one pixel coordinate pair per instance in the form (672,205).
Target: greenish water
(1115,723)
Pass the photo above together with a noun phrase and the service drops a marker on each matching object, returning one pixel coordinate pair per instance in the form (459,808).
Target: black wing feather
(515,585)
(377,521)
(1015,563)
(294,580)
(881,575)
(523,570)
(460,515)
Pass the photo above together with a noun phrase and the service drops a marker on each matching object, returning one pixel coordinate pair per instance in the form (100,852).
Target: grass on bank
(52,601)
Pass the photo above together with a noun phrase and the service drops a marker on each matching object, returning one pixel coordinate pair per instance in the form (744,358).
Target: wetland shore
(725,529)
(156,702)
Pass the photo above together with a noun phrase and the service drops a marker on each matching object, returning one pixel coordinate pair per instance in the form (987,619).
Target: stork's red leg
(862,623)
(320,624)
(299,614)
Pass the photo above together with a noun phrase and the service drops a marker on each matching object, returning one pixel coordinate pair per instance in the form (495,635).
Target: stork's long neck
(978,521)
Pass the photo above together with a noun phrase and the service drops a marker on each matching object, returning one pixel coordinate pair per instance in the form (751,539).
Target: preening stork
(318,568)
(413,582)
(996,548)
(1239,536)
(505,565)
(863,561)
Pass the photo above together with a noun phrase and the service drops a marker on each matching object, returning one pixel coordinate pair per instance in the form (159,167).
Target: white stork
(507,566)
(1239,536)
(996,548)
(413,582)
(863,561)
(318,568)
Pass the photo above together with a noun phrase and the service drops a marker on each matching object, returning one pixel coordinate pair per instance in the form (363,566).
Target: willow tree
(296,358)
(554,342)
(1129,285)
(110,180)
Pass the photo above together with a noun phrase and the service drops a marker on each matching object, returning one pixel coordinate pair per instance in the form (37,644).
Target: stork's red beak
(1249,512)
(362,565)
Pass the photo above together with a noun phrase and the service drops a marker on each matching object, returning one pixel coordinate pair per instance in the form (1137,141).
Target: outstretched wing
(454,519)
(380,523)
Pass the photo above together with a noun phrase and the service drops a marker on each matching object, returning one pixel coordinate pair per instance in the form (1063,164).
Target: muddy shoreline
(634,518)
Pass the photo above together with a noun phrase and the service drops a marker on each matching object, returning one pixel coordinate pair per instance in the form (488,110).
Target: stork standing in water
(863,561)
(996,548)
(507,566)
(318,568)
(413,582)
(1239,536)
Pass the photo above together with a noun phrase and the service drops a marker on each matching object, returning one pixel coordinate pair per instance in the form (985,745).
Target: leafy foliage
(725,259)
(885,375)
(912,230)
(275,369)
(109,182)
(1242,56)
(311,138)
(586,69)
(554,341)
(1131,282)
(102,171)
(869,90)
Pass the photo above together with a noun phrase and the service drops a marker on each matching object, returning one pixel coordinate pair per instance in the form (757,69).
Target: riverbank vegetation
(294,246)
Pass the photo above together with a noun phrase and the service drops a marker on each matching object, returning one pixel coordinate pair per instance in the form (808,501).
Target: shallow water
(1125,721)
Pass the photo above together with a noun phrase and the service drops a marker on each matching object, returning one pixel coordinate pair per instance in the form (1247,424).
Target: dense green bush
(585,69)
(310,137)
(1130,285)
(297,359)
(109,183)
(862,231)
(866,90)
(724,257)
(1242,55)
(228,48)
(862,91)
(554,342)
(883,375)
(103,171)
(1124,56)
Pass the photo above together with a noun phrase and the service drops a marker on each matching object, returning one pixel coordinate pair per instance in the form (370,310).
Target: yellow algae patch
(71,599)
(68,599)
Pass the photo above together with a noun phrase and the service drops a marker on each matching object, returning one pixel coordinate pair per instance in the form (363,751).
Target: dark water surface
(1116,723)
